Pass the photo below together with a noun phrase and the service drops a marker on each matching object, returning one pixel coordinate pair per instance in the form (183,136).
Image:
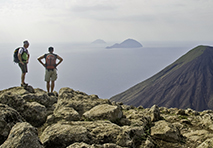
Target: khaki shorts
(50,75)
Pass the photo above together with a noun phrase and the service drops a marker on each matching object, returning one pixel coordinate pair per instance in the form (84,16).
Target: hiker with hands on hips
(50,65)
(23,56)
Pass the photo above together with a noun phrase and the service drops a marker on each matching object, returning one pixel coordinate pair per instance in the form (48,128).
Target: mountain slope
(186,83)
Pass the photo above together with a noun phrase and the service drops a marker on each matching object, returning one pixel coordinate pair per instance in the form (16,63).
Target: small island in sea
(128,43)
(99,41)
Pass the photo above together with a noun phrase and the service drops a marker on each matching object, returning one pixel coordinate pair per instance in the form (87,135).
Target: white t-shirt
(22,49)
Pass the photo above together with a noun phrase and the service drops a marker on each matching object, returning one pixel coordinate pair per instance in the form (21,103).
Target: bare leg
(23,78)
(48,86)
(52,85)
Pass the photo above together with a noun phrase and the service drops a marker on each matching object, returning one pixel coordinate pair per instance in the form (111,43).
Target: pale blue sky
(110,20)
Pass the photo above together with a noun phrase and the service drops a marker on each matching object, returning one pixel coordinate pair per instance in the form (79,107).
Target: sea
(91,68)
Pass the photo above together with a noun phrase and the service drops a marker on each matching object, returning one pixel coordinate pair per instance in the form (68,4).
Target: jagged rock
(35,113)
(124,121)
(185,121)
(8,118)
(138,117)
(150,143)
(22,135)
(130,136)
(155,113)
(62,134)
(79,101)
(38,95)
(207,120)
(198,135)
(112,125)
(206,144)
(190,111)
(66,112)
(32,112)
(181,112)
(41,97)
(84,145)
(110,145)
(80,145)
(166,131)
(104,112)
(29,88)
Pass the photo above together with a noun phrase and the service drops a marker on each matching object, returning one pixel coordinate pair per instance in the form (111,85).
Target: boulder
(75,119)
(207,119)
(155,113)
(65,112)
(104,112)
(198,135)
(8,118)
(150,143)
(80,145)
(22,135)
(38,95)
(131,136)
(84,145)
(63,134)
(41,97)
(29,88)
(181,112)
(206,144)
(32,112)
(79,101)
(60,135)
(35,113)
(138,117)
(166,131)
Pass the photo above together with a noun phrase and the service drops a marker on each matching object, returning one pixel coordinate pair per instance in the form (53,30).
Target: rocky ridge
(73,119)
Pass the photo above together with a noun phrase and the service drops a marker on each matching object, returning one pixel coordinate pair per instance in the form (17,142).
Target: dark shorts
(23,67)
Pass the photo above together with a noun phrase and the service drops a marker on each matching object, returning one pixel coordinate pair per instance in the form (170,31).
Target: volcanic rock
(77,119)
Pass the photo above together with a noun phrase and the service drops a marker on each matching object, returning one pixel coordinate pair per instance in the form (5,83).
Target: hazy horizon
(93,69)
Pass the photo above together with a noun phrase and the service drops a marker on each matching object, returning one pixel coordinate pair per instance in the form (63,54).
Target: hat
(25,42)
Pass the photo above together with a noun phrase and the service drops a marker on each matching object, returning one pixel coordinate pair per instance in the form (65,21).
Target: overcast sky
(110,20)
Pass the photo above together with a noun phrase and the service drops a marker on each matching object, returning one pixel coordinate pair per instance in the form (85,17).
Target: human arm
(19,56)
(28,57)
(40,60)
(60,60)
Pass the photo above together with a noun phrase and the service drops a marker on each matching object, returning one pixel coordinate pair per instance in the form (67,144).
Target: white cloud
(83,20)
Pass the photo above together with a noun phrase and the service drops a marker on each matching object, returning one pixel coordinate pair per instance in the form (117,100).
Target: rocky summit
(186,83)
(29,118)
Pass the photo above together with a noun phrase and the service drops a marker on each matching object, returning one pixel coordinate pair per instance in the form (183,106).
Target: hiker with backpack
(21,56)
(50,65)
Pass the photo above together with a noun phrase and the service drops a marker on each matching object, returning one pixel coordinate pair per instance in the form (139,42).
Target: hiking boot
(51,94)
(24,85)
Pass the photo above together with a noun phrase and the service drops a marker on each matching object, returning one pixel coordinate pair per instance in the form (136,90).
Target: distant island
(129,43)
(99,41)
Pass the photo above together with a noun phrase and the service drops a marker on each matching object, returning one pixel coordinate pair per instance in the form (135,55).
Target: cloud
(74,20)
